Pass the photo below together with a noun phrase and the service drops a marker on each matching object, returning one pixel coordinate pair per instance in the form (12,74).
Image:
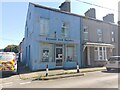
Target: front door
(59,56)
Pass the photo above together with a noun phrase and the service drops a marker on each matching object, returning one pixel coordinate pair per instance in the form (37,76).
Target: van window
(6,57)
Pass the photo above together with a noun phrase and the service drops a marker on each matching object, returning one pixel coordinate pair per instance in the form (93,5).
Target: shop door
(59,56)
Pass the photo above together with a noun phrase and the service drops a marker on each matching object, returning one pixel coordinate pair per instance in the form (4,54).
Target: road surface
(96,79)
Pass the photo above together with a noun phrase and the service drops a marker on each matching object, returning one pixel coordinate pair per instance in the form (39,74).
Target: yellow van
(8,62)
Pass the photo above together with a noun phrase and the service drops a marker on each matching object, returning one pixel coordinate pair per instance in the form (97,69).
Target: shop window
(44,26)
(70,53)
(47,53)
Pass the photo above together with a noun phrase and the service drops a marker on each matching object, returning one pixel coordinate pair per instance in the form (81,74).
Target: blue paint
(35,40)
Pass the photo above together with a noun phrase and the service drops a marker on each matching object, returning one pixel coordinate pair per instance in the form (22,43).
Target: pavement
(55,74)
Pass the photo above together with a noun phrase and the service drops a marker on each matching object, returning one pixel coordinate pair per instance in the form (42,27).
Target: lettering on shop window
(45,55)
(69,58)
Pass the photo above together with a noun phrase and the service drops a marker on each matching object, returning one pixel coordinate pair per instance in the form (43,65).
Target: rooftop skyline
(14,16)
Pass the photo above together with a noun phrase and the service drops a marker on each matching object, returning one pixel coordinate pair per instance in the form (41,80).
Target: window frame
(50,48)
(48,55)
(113,36)
(85,31)
(102,51)
(99,35)
(44,27)
(65,29)
(73,53)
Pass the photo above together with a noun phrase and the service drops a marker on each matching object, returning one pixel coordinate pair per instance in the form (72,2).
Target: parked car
(113,63)
(8,62)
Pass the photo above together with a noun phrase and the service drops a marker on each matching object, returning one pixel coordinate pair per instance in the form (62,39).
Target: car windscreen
(114,59)
(6,57)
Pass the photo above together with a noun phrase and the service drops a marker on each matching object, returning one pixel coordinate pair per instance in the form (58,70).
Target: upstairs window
(85,32)
(99,35)
(113,36)
(65,29)
(44,26)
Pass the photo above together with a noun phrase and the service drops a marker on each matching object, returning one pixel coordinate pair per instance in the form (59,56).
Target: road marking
(25,83)
(6,83)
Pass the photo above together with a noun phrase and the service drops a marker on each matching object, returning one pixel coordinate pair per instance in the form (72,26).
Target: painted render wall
(107,28)
(34,38)
(56,19)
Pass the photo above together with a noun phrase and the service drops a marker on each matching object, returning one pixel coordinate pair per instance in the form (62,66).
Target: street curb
(92,70)
(59,76)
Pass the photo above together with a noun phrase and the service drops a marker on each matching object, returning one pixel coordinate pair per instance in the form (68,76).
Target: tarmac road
(96,79)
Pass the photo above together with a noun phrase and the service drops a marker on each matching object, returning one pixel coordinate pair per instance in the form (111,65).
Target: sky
(13,15)
(119,12)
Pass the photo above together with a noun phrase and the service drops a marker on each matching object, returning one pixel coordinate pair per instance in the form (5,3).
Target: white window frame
(99,35)
(49,47)
(65,29)
(113,36)
(85,32)
(73,49)
(96,51)
(103,56)
(44,26)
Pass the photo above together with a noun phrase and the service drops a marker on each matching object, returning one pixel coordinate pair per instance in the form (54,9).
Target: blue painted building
(51,37)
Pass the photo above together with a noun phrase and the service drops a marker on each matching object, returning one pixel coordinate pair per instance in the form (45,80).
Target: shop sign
(59,39)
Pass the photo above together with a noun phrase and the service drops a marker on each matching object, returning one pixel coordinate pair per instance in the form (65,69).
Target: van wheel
(108,69)
(15,72)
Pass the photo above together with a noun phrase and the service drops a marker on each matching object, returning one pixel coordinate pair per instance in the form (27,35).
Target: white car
(113,63)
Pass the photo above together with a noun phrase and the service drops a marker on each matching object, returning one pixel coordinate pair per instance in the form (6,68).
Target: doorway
(59,55)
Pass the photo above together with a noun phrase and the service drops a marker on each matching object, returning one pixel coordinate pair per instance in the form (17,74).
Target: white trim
(61,47)
(102,53)
(99,45)
(98,53)
(105,53)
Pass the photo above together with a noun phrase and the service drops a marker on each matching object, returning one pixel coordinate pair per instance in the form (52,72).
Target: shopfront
(60,52)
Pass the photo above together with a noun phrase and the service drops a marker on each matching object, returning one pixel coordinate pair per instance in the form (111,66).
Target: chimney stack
(109,18)
(66,6)
(91,13)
